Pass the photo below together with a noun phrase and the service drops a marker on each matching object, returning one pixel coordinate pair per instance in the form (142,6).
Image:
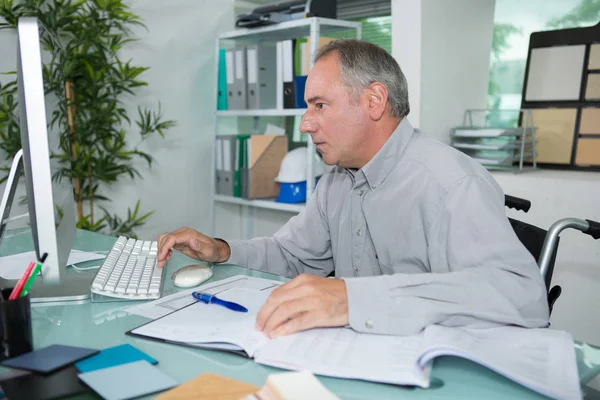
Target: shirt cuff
(238,253)
(368,304)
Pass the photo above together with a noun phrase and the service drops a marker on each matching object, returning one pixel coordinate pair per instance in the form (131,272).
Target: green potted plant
(90,82)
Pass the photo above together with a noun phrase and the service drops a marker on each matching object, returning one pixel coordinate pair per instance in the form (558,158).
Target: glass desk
(101,325)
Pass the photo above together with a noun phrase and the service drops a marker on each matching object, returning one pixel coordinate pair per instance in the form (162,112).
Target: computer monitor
(51,204)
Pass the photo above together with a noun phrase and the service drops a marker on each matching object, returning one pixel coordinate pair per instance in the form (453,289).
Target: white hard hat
(293,166)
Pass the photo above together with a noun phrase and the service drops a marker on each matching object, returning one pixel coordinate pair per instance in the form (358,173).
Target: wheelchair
(543,245)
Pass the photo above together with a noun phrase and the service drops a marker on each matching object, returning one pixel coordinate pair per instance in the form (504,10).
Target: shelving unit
(290,112)
(496,147)
(313,27)
(269,204)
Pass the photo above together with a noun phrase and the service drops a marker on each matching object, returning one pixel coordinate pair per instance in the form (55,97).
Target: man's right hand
(193,244)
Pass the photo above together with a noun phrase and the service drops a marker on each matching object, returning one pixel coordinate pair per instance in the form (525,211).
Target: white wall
(555,195)
(179,46)
(407,49)
(443,47)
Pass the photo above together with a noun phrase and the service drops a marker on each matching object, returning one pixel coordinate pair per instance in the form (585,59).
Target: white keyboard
(130,271)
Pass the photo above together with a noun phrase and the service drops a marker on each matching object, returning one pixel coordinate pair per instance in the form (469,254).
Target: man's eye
(320,106)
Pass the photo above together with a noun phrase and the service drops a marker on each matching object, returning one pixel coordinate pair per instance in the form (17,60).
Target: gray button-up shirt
(420,236)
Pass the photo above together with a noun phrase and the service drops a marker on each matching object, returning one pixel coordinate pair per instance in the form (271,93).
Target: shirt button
(358,232)
(374,187)
(361,192)
(369,324)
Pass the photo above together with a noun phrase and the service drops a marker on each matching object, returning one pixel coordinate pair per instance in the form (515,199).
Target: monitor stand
(72,286)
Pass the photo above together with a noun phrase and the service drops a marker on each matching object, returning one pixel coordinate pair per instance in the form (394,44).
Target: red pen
(21,283)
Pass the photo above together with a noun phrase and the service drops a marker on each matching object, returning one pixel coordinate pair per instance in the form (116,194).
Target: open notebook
(540,359)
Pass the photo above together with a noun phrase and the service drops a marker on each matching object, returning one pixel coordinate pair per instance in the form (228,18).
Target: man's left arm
(482,275)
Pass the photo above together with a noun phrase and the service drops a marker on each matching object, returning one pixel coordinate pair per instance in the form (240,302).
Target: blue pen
(209,298)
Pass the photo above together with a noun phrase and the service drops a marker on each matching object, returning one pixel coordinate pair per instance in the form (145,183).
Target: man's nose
(306,124)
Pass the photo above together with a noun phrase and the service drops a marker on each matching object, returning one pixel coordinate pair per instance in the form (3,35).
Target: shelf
(476,146)
(268,204)
(286,112)
(289,30)
(480,133)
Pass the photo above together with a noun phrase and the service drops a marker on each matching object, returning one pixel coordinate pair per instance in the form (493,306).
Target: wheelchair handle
(594,229)
(517,203)
(587,226)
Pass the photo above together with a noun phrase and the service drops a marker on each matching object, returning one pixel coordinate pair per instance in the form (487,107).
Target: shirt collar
(380,166)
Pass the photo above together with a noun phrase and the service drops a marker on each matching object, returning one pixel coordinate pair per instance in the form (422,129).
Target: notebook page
(342,352)
(541,359)
(202,324)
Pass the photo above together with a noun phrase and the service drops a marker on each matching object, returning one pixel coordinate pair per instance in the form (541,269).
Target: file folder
(241,102)
(241,163)
(218,166)
(299,86)
(222,81)
(228,176)
(230,79)
(279,76)
(261,61)
(287,64)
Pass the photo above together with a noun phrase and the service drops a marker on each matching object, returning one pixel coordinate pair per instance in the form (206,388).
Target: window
(377,30)
(514,21)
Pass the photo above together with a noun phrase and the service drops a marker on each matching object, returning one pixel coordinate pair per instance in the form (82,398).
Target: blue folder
(113,356)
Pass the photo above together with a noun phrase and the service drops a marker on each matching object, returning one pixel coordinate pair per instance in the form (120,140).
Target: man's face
(334,120)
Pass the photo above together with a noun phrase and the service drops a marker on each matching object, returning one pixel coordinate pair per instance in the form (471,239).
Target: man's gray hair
(363,63)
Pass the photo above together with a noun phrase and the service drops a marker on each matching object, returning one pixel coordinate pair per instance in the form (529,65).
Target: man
(414,230)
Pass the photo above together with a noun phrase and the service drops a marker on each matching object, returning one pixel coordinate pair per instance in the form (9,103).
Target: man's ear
(377,100)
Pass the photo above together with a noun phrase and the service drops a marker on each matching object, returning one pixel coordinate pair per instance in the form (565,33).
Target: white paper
(12,267)
(202,324)
(540,359)
(166,305)
(347,354)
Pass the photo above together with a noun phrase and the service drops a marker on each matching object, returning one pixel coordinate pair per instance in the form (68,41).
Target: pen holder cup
(16,336)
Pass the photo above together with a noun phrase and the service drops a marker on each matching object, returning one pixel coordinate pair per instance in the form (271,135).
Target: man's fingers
(297,281)
(165,245)
(162,263)
(179,240)
(287,311)
(301,322)
(279,296)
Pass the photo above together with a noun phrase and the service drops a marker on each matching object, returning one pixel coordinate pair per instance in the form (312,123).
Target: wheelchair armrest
(517,203)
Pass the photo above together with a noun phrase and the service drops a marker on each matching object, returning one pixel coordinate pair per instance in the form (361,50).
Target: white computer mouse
(191,275)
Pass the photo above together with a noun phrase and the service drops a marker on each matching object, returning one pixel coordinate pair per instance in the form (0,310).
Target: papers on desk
(540,359)
(12,267)
(166,305)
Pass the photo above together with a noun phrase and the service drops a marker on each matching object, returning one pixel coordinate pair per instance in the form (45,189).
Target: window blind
(355,9)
